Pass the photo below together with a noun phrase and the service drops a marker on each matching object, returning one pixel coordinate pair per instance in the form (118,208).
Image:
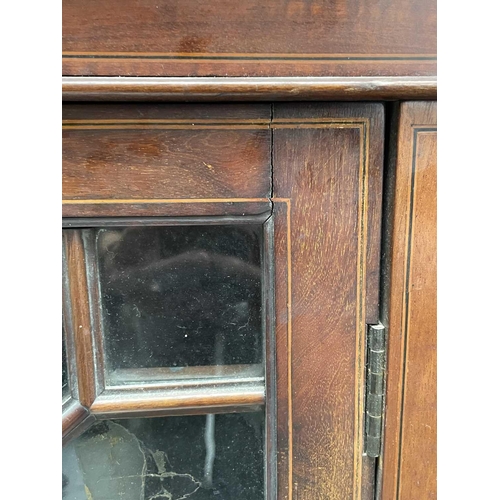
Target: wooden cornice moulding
(246,89)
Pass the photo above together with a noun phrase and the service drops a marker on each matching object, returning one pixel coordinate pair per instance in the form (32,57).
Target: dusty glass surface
(180,296)
(65,386)
(204,457)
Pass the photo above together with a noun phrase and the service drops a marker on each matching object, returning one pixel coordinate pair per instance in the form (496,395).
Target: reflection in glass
(197,457)
(180,296)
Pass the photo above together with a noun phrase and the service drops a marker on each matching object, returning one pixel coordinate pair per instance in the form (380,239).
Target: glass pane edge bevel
(269,360)
(71,361)
(188,376)
(122,222)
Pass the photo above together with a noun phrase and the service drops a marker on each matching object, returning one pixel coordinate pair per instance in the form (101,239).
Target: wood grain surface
(140,160)
(293,88)
(175,208)
(249,38)
(409,456)
(80,316)
(196,399)
(327,197)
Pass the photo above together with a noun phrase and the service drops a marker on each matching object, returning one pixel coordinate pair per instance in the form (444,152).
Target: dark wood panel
(165,164)
(409,461)
(184,113)
(249,38)
(248,89)
(327,196)
(145,154)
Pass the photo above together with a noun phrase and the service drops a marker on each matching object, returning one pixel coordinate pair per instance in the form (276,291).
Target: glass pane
(180,296)
(65,386)
(197,457)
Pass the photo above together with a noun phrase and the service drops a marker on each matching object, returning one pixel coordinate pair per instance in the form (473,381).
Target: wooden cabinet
(249,287)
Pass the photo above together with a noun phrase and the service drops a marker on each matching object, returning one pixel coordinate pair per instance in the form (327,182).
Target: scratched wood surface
(249,38)
(140,159)
(327,196)
(409,459)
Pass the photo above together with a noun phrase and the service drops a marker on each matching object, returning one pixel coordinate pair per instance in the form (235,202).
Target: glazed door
(221,263)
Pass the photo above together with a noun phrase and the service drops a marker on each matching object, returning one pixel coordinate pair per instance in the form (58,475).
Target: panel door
(410,457)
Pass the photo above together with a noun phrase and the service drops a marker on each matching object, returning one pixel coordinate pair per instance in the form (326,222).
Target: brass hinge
(375,386)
